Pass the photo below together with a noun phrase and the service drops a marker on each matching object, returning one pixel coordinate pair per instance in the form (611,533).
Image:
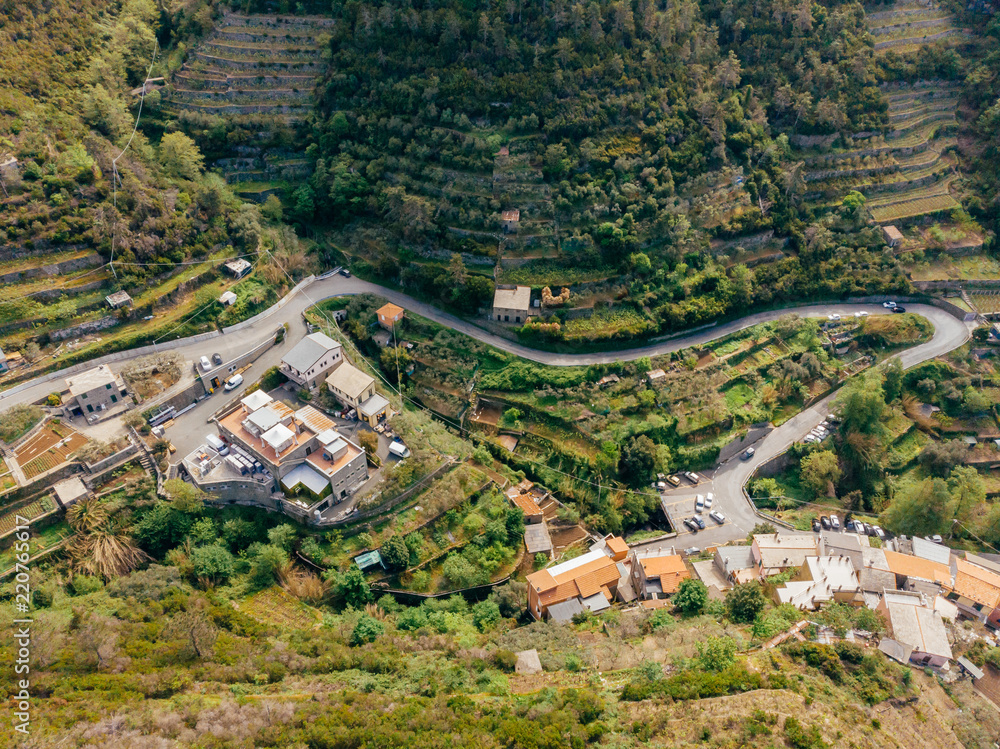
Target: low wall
(121,456)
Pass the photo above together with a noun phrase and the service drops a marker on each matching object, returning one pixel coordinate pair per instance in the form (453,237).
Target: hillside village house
(356,389)
(237,268)
(310,359)
(389,315)
(976,592)
(914,624)
(511,303)
(657,576)
(586,583)
(773,554)
(822,580)
(735,564)
(301,449)
(510,220)
(95,391)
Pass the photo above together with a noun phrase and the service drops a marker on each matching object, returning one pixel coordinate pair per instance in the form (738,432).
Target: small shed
(238,267)
(971,668)
(118,299)
(655,375)
(70,491)
(537,539)
(369,559)
(893,236)
(228,298)
(532,512)
(510,220)
(970,441)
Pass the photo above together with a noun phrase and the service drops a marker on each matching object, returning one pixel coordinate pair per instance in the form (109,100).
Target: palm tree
(101,545)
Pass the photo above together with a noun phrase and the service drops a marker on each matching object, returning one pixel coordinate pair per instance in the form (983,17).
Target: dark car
(217,359)
(692,526)
(825,522)
(850,525)
(899,309)
(816,526)
(345,273)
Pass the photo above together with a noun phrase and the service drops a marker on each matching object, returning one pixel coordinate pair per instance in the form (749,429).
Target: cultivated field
(52,446)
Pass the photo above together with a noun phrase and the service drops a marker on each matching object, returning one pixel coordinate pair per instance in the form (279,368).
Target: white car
(709,498)
(699,503)
(888,305)
(833,318)
(835,522)
(717,516)
(861,313)
(205,364)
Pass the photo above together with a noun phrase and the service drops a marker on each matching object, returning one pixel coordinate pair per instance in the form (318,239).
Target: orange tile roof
(527,505)
(617,545)
(910,566)
(670,569)
(976,583)
(389,310)
(585,581)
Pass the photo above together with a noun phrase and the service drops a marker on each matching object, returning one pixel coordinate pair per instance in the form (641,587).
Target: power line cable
(114,162)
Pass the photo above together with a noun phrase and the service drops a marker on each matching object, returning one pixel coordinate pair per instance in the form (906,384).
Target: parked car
(709,499)
(661,486)
(700,523)
(345,273)
(833,318)
(879,532)
(849,525)
(888,305)
(692,526)
(748,453)
(899,309)
(835,522)
(870,529)
(717,516)
(825,522)
(234,382)
(692,551)
(816,526)
(692,477)
(217,359)
(205,364)
(699,503)
(937,539)
(674,480)
(861,313)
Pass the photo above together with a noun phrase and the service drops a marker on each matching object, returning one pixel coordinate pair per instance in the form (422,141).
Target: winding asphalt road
(729,478)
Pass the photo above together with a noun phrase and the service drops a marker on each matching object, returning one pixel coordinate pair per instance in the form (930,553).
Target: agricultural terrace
(50,447)
(905,172)
(258,72)
(922,446)
(581,420)
(8,520)
(41,541)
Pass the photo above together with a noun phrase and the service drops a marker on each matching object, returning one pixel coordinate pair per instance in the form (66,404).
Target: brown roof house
(587,583)
(389,314)
(976,592)
(527,505)
(509,221)
(659,575)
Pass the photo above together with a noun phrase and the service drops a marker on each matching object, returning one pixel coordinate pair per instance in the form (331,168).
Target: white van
(215,441)
(399,449)
(234,382)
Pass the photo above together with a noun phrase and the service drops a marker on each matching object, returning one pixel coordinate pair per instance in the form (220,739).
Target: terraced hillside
(259,73)
(907,171)
(909,25)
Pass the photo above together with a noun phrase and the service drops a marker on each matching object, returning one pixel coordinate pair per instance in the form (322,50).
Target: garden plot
(49,448)
(8,521)
(986,302)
